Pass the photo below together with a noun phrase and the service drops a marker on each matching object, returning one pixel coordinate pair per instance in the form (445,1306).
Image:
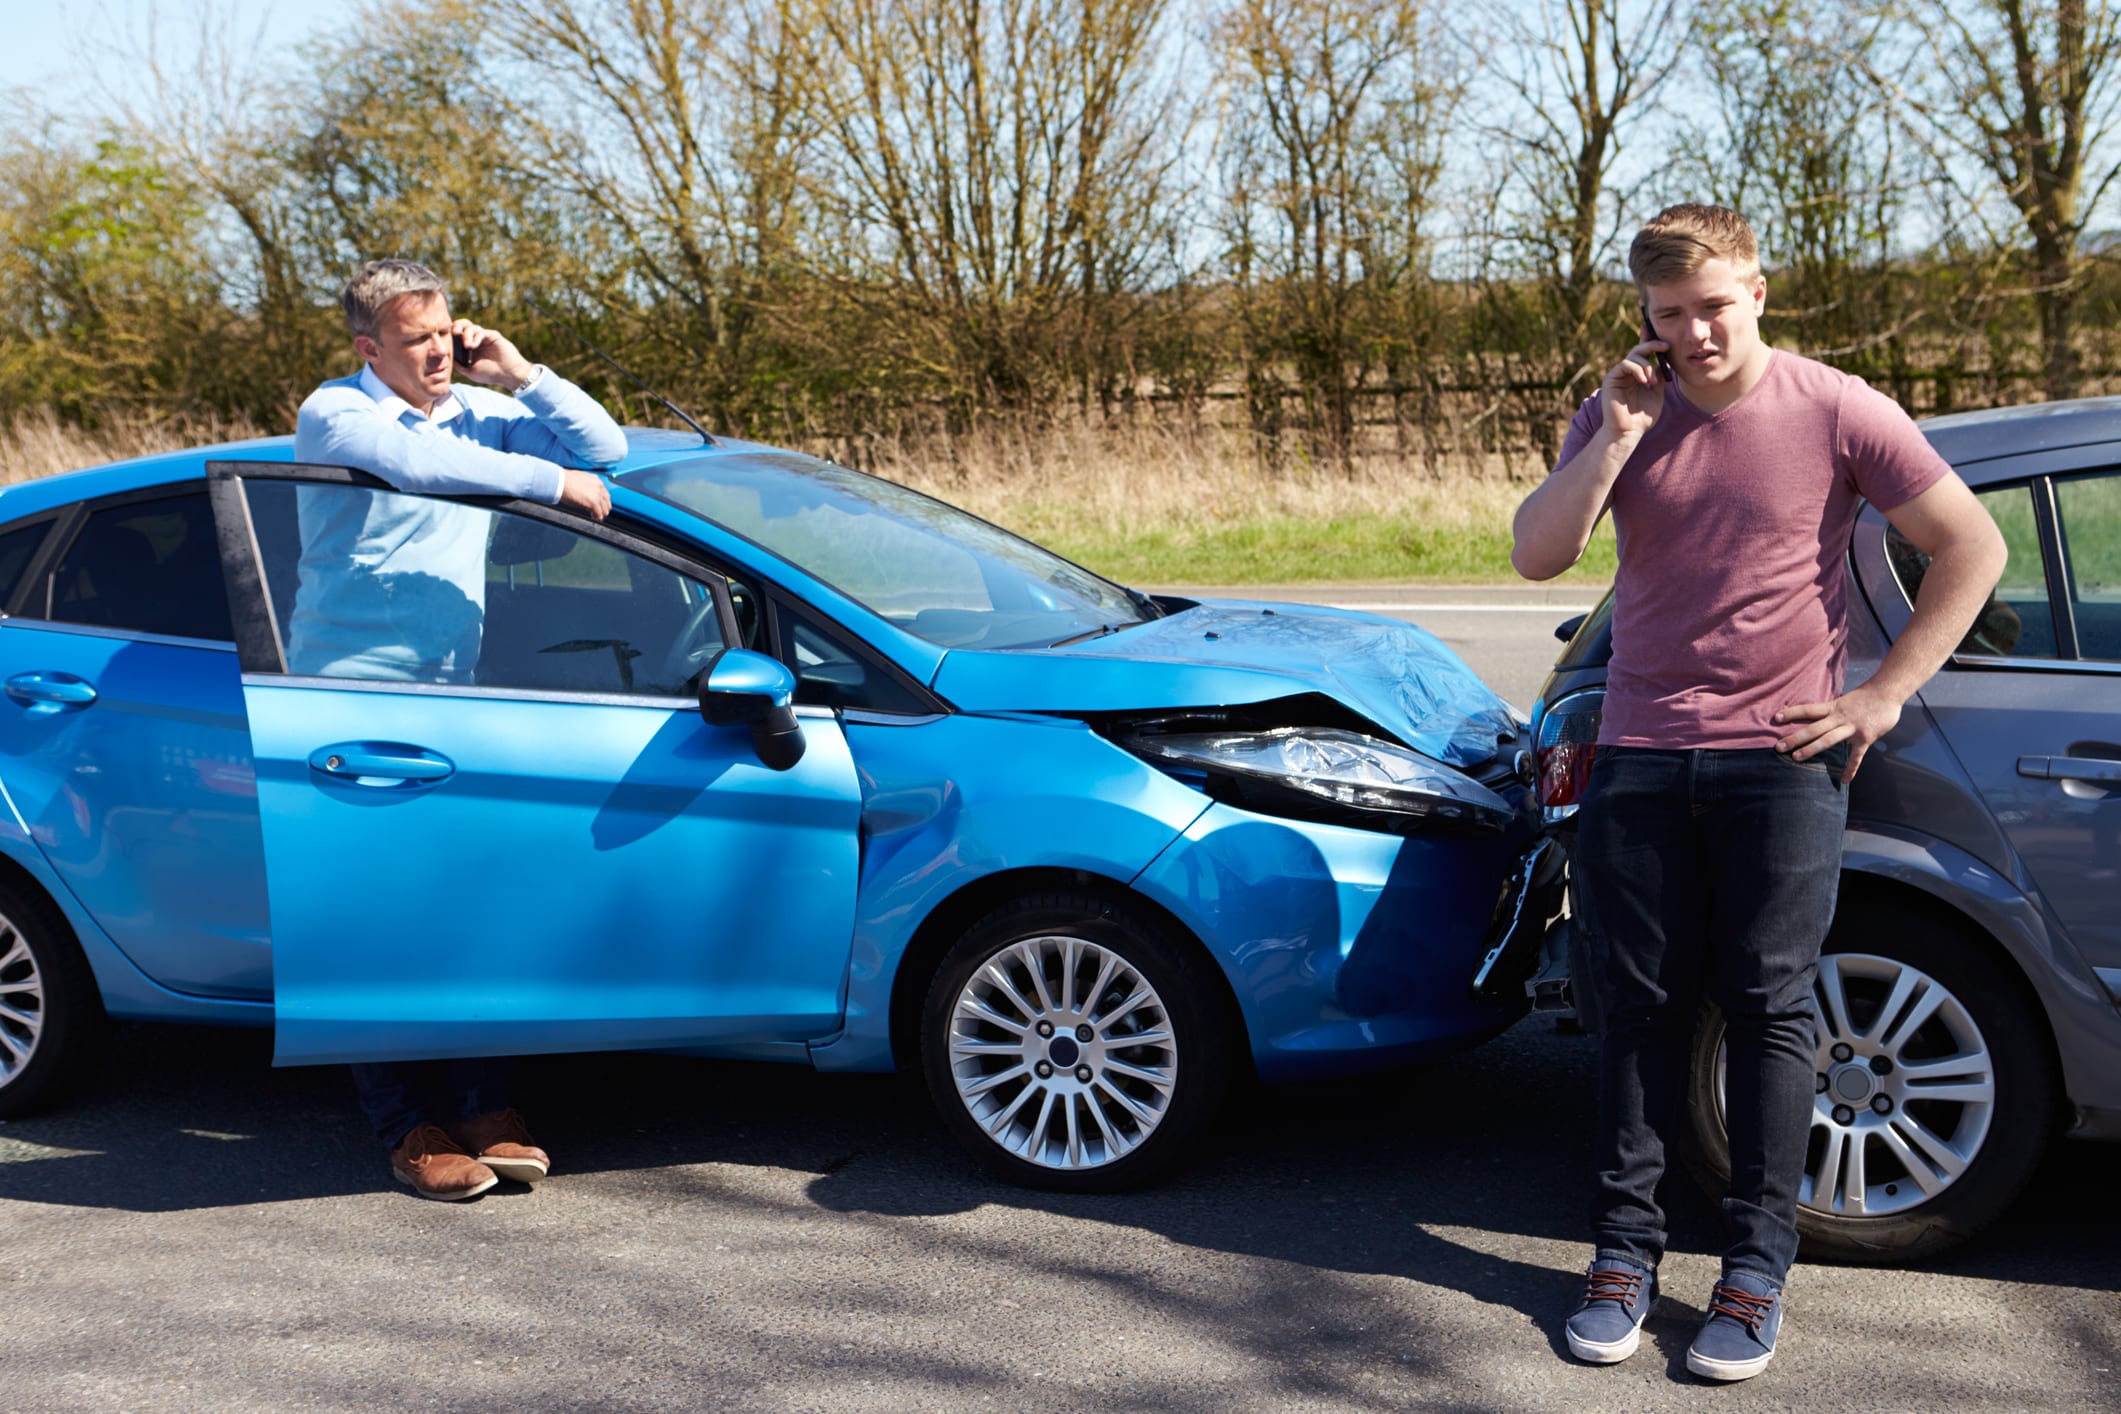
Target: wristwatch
(537,371)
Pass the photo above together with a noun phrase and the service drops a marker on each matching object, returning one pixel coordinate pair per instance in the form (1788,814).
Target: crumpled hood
(1226,653)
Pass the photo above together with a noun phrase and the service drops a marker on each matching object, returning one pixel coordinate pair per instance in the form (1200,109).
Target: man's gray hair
(379,282)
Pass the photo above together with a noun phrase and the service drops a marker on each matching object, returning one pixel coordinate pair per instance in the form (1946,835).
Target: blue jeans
(400,1096)
(1706,873)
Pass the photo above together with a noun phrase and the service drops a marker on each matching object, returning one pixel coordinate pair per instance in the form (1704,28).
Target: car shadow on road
(1438,1175)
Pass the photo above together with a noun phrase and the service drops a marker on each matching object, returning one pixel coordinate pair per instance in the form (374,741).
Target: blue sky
(43,37)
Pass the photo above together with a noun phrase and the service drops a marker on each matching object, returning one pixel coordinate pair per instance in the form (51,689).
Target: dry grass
(1153,504)
(1179,504)
(35,444)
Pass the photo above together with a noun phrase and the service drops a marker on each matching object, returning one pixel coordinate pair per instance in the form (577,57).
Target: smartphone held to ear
(459,350)
(1664,360)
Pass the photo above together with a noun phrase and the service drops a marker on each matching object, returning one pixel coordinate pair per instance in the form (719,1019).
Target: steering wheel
(688,654)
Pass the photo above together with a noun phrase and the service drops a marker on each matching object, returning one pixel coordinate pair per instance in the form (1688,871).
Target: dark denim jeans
(400,1096)
(1706,873)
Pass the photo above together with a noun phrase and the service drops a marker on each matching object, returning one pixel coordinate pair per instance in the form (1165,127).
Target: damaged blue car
(780,761)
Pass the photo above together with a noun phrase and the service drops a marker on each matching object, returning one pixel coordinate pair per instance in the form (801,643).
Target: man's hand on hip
(586,492)
(1859,717)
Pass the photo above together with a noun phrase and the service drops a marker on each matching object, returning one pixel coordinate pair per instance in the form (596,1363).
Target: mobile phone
(459,350)
(1664,360)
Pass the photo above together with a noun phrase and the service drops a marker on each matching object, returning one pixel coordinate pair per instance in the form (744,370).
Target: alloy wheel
(21,1003)
(1905,1092)
(1062,1052)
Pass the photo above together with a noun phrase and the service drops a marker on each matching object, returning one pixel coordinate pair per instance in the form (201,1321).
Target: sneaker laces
(1612,1284)
(1741,1306)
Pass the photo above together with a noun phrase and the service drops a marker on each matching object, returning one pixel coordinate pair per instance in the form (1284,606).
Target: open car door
(495,821)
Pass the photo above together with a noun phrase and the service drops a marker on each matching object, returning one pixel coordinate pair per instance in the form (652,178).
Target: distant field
(1140,505)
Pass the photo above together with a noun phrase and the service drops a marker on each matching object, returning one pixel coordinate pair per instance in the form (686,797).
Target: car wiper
(1150,609)
(1099,632)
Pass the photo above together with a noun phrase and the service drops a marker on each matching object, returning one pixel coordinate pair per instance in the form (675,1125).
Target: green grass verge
(1279,549)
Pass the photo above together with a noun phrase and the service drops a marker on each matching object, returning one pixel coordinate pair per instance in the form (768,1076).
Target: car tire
(1144,1019)
(52,1025)
(1935,1169)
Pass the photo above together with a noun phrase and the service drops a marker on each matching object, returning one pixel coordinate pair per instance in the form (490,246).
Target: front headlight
(1333,768)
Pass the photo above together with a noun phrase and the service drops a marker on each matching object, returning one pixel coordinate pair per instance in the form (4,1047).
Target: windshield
(928,567)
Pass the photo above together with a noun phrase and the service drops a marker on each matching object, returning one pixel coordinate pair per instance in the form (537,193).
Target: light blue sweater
(394,587)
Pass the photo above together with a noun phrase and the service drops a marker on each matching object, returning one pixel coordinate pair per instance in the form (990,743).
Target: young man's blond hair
(1681,239)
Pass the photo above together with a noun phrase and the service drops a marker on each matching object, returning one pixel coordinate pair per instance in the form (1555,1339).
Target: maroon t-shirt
(1731,601)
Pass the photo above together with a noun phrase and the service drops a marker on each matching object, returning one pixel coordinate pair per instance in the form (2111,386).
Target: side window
(148,566)
(2017,621)
(830,673)
(2089,508)
(388,587)
(16,547)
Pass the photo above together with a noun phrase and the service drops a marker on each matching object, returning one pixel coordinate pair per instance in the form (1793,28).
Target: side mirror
(741,688)
(1566,629)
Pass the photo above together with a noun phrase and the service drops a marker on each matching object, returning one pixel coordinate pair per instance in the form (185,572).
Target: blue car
(781,761)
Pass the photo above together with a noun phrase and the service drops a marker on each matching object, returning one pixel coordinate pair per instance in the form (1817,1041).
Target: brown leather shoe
(435,1166)
(503,1144)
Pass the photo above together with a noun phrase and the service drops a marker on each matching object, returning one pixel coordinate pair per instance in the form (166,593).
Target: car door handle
(48,692)
(2095,769)
(382,765)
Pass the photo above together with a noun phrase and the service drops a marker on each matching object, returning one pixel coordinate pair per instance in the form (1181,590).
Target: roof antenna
(682,415)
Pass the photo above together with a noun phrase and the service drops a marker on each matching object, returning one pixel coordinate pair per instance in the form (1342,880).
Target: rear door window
(149,566)
(16,547)
(2018,621)
(2089,511)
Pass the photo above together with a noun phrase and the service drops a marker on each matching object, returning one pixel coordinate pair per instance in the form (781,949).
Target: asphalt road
(201,1231)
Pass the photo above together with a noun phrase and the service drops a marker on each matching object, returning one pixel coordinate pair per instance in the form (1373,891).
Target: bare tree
(1337,116)
(206,101)
(1002,171)
(680,127)
(1583,74)
(2025,90)
(1803,141)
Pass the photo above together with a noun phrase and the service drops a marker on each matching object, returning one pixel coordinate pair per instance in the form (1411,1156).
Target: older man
(393,588)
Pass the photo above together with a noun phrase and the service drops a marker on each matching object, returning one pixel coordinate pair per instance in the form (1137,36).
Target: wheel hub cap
(1063,1052)
(1908,1100)
(1853,1084)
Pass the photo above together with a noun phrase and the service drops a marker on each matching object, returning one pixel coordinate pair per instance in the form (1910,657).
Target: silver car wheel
(1905,1092)
(21,1003)
(1062,1052)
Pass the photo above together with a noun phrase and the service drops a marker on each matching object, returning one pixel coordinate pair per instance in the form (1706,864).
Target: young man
(448,1125)
(1708,847)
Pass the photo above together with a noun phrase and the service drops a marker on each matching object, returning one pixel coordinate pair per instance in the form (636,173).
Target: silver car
(1969,998)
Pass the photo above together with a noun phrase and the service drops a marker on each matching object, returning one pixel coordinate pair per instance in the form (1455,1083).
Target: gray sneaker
(1607,1324)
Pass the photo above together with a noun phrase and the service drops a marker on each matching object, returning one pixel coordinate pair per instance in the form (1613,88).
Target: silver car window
(2018,621)
(2089,509)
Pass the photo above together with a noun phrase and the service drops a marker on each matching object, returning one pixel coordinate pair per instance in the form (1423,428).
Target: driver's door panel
(585,876)
(494,820)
